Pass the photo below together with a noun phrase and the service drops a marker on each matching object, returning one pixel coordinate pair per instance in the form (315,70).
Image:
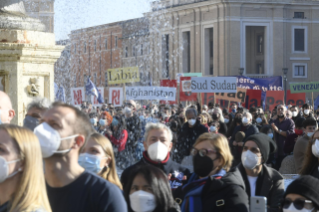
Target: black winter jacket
(186,139)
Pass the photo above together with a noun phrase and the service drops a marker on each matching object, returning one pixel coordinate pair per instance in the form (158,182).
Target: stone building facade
(43,10)
(218,38)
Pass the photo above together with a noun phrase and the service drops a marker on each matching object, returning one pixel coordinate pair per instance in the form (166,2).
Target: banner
(274,98)
(239,96)
(171,84)
(179,75)
(296,99)
(186,96)
(78,96)
(214,85)
(94,100)
(253,98)
(116,96)
(123,75)
(207,98)
(150,93)
(304,87)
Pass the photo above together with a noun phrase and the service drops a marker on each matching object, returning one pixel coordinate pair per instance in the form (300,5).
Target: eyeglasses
(202,152)
(299,204)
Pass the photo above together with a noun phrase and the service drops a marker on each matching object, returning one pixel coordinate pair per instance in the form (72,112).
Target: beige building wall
(229,21)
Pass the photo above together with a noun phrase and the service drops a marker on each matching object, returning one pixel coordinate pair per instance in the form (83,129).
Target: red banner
(171,84)
(274,98)
(186,96)
(296,98)
(253,99)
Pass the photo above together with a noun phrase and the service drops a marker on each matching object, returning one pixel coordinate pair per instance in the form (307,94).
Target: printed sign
(186,96)
(304,87)
(169,83)
(298,99)
(207,98)
(116,96)
(150,93)
(253,98)
(239,96)
(94,99)
(179,75)
(214,85)
(274,98)
(77,95)
(123,75)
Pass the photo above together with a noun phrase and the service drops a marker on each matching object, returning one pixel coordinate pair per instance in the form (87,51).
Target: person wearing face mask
(104,123)
(62,136)
(148,190)
(233,110)
(307,111)
(190,131)
(228,119)
(34,112)
(97,156)
(212,187)
(93,120)
(236,122)
(261,120)
(218,116)
(6,111)
(282,127)
(311,162)
(295,113)
(203,121)
(261,180)
(158,144)
(292,138)
(22,184)
(248,128)
(302,195)
(214,127)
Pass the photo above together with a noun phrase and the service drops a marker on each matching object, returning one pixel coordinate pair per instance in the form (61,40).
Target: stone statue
(13,16)
(33,88)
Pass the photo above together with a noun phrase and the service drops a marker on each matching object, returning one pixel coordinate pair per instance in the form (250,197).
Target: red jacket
(120,143)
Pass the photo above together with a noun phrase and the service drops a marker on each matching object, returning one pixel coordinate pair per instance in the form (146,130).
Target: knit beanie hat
(306,186)
(264,143)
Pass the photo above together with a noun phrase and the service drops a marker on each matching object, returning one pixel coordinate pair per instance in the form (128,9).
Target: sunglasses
(202,152)
(299,204)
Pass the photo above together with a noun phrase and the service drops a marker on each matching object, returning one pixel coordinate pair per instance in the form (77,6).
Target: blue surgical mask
(115,122)
(234,110)
(259,120)
(102,122)
(93,121)
(30,122)
(271,135)
(90,162)
(226,121)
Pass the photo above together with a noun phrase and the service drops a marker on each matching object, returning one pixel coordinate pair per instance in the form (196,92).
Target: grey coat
(271,187)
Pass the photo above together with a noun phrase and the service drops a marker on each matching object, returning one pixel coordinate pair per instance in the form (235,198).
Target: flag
(91,89)
(60,95)
(316,103)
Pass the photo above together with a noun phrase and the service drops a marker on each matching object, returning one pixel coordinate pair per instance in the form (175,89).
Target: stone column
(27,57)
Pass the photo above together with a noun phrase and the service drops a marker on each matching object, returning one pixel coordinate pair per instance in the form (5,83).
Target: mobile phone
(258,204)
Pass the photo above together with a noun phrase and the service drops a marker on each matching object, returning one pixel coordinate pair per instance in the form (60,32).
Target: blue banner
(263,84)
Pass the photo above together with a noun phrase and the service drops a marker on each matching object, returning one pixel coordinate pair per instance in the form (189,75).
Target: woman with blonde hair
(98,157)
(22,184)
(212,187)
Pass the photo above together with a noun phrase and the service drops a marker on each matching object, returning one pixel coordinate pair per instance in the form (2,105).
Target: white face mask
(306,112)
(315,148)
(212,128)
(157,151)
(259,120)
(294,114)
(142,201)
(4,169)
(50,140)
(127,110)
(249,159)
(226,121)
(192,122)
(309,134)
(293,209)
(244,120)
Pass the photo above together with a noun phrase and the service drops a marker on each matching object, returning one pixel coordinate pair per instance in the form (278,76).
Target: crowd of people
(174,158)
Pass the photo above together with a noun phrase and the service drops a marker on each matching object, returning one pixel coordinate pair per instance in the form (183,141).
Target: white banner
(214,85)
(78,96)
(150,93)
(94,99)
(116,96)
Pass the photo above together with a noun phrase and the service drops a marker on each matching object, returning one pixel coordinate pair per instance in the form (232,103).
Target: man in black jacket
(259,179)
(158,144)
(188,135)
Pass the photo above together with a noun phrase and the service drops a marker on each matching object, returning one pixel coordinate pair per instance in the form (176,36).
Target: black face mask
(281,116)
(238,120)
(203,165)
(215,117)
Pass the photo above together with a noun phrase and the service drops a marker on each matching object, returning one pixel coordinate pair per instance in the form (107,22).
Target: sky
(76,14)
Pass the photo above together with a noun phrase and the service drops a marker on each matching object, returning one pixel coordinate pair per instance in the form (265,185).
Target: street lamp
(285,71)
(241,71)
